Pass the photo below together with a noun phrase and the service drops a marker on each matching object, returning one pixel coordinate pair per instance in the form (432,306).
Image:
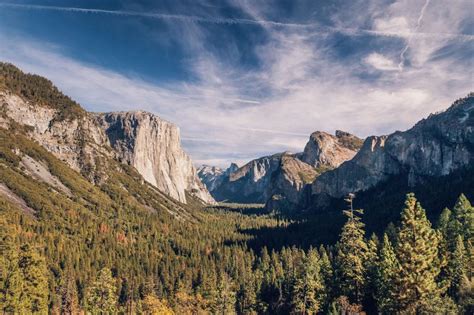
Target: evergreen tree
(327,274)
(417,254)
(387,267)
(225,296)
(352,256)
(308,290)
(101,296)
(457,267)
(11,283)
(464,214)
(68,293)
(34,272)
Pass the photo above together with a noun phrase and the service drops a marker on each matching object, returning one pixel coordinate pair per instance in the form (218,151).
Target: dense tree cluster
(38,90)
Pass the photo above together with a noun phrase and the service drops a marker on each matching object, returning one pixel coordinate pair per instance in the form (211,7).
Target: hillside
(88,226)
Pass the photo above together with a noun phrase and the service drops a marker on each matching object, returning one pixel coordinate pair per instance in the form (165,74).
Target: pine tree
(327,274)
(463,221)
(101,296)
(351,256)
(34,272)
(371,266)
(308,291)
(11,283)
(417,254)
(457,267)
(387,267)
(225,296)
(68,293)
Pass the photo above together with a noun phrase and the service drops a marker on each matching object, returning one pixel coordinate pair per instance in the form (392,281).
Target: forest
(120,246)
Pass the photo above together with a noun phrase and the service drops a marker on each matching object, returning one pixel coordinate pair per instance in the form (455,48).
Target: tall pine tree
(417,252)
(352,256)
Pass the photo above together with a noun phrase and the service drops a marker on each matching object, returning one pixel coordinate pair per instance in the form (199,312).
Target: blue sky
(244,79)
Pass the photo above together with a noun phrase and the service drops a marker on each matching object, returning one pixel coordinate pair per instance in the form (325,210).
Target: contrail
(317,28)
(418,24)
(162,16)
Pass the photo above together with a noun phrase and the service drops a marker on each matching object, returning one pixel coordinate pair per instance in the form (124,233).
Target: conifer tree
(11,283)
(34,272)
(225,296)
(308,290)
(417,254)
(101,296)
(463,223)
(458,267)
(351,256)
(68,293)
(387,267)
(327,274)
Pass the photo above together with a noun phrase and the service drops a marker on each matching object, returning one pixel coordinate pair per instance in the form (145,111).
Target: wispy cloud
(316,28)
(232,113)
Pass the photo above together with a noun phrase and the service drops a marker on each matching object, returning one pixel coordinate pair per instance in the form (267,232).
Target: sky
(244,79)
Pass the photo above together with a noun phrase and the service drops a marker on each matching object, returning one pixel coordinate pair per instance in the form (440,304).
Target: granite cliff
(281,178)
(83,140)
(435,146)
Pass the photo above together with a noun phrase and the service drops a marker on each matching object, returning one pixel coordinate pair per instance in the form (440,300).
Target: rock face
(435,146)
(324,149)
(213,176)
(140,139)
(281,178)
(153,146)
(79,141)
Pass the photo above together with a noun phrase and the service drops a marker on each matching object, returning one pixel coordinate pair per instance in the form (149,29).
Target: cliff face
(83,140)
(153,146)
(212,177)
(327,150)
(79,141)
(435,146)
(281,178)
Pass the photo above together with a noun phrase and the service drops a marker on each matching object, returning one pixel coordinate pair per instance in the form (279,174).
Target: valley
(106,213)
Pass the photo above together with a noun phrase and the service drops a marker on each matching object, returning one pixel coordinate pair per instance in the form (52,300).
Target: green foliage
(386,273)
(308,291)
(351,257)
(101,296)
(190,259)
(418,261)
(38,90)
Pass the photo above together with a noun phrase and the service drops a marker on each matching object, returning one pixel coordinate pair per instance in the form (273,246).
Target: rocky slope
(213,176)
(281,178)
(84,140)
(435,146)
(326,150)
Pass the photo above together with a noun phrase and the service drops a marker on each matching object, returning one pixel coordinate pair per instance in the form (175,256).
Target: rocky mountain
(84,140)
(326,150)
(213,176)
(153,146)
(436,146)
(280,178)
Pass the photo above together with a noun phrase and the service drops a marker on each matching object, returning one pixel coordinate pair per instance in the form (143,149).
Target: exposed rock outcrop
(153,146)
(282,177)
(324,149)
(140,139)
(213,176)
(435,146)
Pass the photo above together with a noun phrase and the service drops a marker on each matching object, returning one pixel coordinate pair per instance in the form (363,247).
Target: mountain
(213,176)
(153,146)
(436,146)
(85,140)
(326,150)
(281,178)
